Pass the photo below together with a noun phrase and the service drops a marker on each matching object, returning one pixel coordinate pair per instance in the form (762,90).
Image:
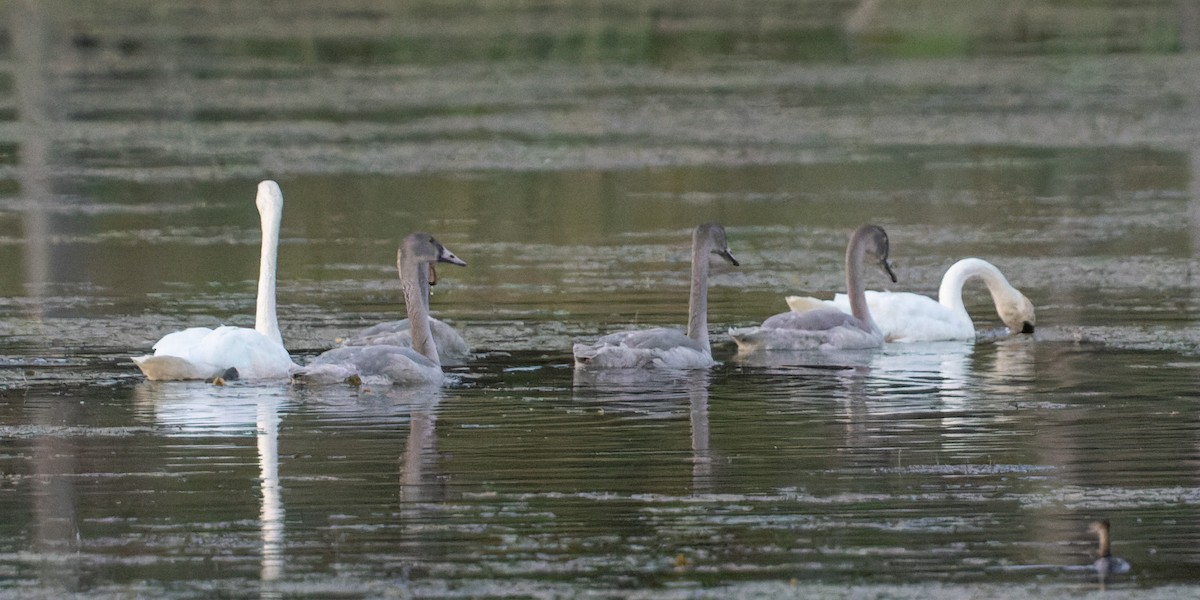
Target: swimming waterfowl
(418,363)
(1106,564)
(258,353)
(908,317)
(827,327)
(452,348)
(665,347)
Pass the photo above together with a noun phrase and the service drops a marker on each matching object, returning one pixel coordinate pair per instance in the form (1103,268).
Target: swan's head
(713,235)
(1099,527)
(1017,313)
(269,198)
(874,241)
(422,247)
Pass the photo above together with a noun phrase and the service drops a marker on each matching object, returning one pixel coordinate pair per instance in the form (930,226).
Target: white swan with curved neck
(908,317)
(203,353)
(405,365)
(827,327)
(665,347)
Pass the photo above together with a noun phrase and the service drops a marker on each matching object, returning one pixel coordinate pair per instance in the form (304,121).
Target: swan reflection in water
(904,377)
(271,514)
(657,393)
(875,391)
(372,406)
(419,480)
(421,485)
(200,409)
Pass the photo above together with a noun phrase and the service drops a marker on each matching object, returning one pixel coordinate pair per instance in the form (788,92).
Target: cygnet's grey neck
(855,281)
(697,328)
(414,281)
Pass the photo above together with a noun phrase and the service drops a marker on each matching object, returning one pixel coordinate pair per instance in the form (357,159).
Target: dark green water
(565,150)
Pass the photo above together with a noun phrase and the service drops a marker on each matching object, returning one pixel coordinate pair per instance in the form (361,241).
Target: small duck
(1106,564)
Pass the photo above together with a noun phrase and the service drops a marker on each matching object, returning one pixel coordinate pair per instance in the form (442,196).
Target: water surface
(565,153)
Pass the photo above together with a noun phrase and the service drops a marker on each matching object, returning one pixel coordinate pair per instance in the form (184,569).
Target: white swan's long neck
(697,328)
(856,287)
(265,320)
(414,281)
(950,292)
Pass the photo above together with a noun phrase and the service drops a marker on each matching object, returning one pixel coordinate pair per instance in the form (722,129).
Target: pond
(565,151)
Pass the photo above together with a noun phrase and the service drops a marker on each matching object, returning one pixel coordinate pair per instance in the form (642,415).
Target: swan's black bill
(1027,327)
(727,255)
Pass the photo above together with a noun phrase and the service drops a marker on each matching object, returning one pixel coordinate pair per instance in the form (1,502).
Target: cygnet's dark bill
(446,256)
(727,255)
(887,268)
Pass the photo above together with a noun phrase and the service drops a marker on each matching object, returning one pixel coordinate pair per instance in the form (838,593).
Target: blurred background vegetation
(377,32)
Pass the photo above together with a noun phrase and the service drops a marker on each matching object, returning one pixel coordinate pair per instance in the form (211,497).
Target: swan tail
(757,339)
(585,355)
(750,339)
(326,374)
(171,368)
(805,303)
(605,356)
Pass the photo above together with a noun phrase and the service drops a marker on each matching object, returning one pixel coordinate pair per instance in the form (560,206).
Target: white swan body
(826,327)
(664,347)
(203,353)
(415,364)
(908,317)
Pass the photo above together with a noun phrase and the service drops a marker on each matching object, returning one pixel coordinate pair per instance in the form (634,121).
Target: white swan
(203,353)
(413,365)
(827,327)
(452,348)
(908,317)
(662,346)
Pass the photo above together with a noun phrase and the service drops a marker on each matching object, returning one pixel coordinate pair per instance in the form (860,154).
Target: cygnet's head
(1017,313)
(714,235)
(875,242)
(422,247)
